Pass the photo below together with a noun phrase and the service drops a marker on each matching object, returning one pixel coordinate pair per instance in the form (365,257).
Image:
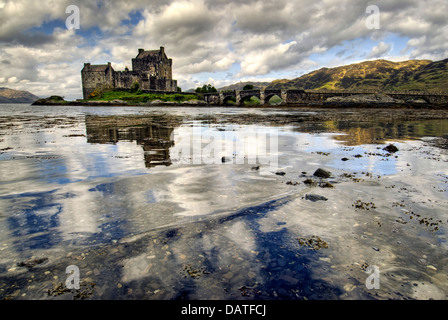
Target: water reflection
(75,180)
(103,179)
(155,138)
(374,132)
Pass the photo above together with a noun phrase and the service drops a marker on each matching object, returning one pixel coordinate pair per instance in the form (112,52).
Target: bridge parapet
(312,96)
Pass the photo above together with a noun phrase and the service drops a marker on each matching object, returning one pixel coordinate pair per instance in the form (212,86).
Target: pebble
(349,287)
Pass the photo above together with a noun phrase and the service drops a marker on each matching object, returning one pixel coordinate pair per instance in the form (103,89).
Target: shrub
(135,86)
(56,98)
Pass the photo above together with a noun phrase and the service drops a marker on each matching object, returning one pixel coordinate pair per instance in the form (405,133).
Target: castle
(151,69)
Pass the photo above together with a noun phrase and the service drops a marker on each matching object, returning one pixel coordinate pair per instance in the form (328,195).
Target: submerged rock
(321,173)
(310,182)
(31,262)
(315,197)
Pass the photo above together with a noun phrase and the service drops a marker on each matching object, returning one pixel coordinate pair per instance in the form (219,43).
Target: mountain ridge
(8,95)
(379,75)
(240,85)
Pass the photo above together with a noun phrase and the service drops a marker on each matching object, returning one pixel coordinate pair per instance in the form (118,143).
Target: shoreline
(332,105)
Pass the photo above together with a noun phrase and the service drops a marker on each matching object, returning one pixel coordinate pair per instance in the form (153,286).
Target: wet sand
(224,231)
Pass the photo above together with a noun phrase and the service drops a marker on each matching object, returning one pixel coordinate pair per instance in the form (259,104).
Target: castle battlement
(152,69)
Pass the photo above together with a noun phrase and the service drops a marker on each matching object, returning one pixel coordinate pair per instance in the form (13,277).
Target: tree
(248,87)
(206,88)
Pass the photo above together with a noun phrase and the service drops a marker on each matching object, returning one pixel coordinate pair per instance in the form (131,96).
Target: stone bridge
(297,97)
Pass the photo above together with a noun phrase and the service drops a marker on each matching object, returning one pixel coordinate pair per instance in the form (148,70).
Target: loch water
(222,203)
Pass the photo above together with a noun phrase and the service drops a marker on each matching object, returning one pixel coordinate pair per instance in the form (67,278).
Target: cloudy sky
(211,41)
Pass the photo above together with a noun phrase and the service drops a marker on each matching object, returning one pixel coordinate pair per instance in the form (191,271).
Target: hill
(379,75)
(16,96)
(240,85)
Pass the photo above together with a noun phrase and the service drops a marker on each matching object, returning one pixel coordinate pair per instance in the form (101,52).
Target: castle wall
(162,84)
(124,79)
(154,65)
(149,64)
(92,79)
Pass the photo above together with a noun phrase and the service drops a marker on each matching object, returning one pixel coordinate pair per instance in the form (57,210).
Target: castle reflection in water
(156,138)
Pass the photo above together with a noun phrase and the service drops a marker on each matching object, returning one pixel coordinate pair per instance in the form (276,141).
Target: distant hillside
(377,75)
(16,96)
(240,85)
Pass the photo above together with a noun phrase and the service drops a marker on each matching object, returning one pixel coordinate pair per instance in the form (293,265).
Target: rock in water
(31,262)
(225,159)
(391,148)
(322,173)
(315,197)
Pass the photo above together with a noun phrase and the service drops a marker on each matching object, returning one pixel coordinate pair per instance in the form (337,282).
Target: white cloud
(13,80)
(380,50)
(207,39)
(263,61)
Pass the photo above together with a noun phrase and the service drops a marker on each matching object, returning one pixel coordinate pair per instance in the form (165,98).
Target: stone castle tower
(151,69)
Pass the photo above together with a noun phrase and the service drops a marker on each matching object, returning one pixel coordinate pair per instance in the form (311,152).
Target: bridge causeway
(297,97)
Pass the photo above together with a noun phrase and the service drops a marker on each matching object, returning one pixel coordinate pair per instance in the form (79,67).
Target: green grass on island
(140,97)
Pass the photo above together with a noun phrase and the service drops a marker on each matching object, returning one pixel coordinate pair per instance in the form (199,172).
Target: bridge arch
(229,100)
(246,95)
(248,99)
(269,94)
(273,99)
